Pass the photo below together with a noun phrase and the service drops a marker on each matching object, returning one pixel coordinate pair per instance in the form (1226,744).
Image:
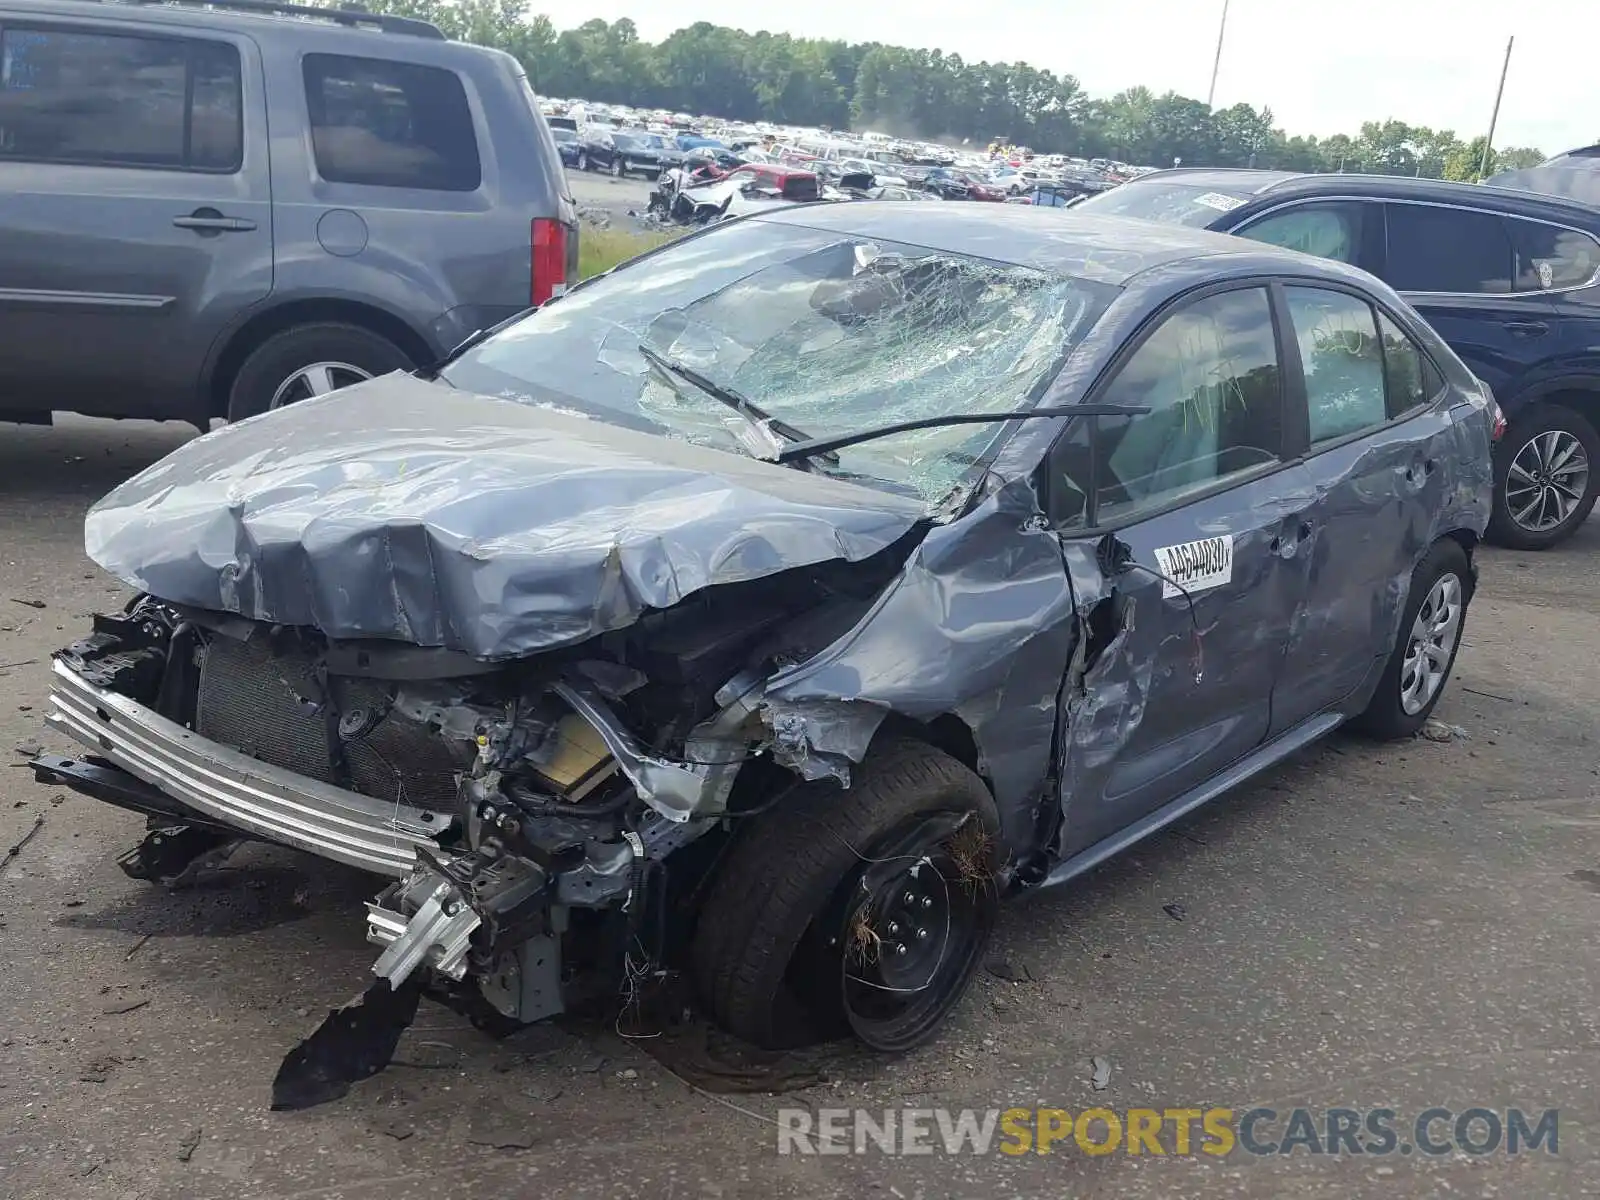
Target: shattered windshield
(819,333)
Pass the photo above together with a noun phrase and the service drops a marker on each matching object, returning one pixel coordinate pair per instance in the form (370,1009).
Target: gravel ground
(1399,926)
(614,197)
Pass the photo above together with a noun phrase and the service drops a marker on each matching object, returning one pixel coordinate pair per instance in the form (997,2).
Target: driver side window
(1210,377)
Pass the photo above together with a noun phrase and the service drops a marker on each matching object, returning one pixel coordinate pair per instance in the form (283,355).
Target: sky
(1322,68)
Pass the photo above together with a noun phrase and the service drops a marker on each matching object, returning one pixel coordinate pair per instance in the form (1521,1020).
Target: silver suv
(210,210)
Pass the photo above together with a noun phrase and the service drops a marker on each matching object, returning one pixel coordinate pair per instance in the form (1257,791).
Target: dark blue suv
(1507,277)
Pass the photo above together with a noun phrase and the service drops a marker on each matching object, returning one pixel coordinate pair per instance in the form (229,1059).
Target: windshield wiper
(815,447)
(738,401)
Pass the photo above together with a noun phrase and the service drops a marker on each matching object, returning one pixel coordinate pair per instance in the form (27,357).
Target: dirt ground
(1401,926)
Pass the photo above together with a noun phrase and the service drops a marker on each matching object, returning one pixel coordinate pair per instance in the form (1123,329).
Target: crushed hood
(407,510)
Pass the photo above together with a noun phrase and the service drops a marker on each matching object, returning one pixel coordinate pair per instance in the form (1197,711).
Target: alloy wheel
(1547,480)
(316,379)
(1431,644)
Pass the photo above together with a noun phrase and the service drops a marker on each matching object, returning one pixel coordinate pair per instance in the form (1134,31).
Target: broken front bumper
(225,786)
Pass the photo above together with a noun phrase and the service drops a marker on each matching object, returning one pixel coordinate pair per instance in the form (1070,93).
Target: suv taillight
(1499,428)
(549,259)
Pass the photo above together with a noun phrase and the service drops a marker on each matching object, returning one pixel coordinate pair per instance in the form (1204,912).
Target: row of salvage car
(698,194)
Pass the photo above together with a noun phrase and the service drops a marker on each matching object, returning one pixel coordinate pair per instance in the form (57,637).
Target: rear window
(106,99)
(1549,256)
(1170,203)
(390,124)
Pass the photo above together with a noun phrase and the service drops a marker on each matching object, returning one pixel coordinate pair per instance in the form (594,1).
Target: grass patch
(601,249)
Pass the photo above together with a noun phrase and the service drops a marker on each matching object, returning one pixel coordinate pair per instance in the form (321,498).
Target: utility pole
(1216,63)
(1494,117)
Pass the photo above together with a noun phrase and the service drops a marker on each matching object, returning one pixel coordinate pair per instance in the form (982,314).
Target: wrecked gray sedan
(759,613)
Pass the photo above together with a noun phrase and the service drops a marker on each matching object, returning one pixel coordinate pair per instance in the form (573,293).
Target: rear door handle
(214,223)
(1528,328)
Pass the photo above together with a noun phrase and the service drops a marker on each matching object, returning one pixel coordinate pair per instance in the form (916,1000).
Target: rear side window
(390,124)
(1549,256)
(107,99)
(1409,374)
(1343,365)
(1438,249)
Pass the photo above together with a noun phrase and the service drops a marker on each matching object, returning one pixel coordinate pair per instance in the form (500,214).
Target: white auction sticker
(1196,566)
(1218,201)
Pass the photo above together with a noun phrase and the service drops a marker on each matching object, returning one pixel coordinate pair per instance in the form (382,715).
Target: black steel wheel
(915,923)
(801,933)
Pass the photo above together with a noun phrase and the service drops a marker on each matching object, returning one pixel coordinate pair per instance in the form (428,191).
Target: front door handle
(209,220)
(1289,548)
(1526,329)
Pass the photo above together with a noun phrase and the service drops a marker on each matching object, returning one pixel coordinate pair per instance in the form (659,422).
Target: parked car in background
(948,183)
(567,144)
(627,152)
(1509,278)
(240,204)
(1193,557)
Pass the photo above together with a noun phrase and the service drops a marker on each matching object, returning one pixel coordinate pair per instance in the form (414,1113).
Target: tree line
(708,69)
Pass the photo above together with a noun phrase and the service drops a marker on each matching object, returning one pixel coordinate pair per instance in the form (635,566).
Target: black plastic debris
(354,1043)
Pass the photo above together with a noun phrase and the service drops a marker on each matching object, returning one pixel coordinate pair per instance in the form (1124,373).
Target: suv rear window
(390,124)
(107,99)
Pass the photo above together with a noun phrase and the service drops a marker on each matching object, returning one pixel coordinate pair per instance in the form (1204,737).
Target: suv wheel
(618,167)
(309,360)
(583,160)
(1546,478)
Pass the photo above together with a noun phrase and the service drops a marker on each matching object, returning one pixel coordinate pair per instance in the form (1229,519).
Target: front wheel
(1546,479)
(583,160)
(618,168)
(864,908)
(1425,649)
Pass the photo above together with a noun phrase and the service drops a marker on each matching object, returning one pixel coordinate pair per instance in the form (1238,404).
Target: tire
(781,899)
(1386,715)
(350,352)
(1541,427)
(583,160)
(618,167)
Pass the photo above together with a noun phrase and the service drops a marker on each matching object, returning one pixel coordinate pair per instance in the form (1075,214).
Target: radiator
(267,705)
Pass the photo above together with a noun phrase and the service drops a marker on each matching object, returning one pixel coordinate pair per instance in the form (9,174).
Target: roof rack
(350,15)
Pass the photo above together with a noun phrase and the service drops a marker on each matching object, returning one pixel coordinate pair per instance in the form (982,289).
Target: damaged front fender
(978,626)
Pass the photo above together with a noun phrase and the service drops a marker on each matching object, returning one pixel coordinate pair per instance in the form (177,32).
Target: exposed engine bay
(544,821)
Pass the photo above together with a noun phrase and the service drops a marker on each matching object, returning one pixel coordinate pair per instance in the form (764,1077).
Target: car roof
(252,16)
(1283,184)
(1060,241)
